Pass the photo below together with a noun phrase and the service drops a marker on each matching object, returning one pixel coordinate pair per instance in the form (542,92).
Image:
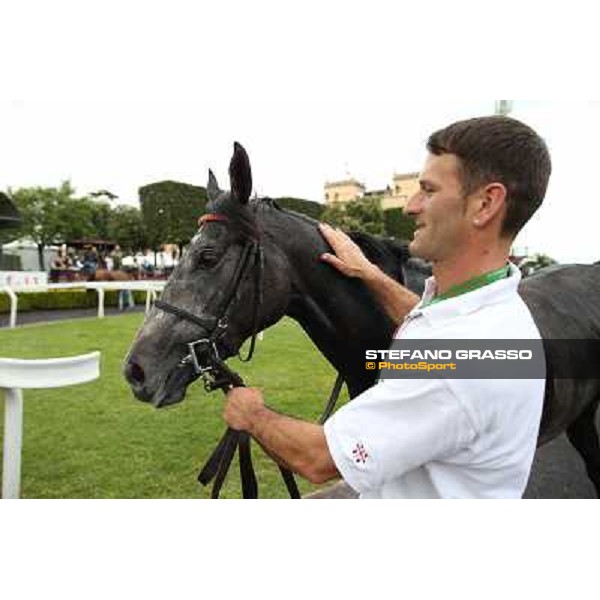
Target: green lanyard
(471,285)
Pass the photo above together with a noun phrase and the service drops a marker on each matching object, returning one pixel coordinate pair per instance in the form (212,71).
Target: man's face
(440,210)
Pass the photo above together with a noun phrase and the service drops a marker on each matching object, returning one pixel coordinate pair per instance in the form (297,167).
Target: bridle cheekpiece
(203,354)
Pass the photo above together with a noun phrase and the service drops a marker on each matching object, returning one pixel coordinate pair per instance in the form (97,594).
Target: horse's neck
(342,335)
(339,314)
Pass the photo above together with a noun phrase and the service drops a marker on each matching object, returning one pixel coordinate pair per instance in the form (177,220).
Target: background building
(343,191)
(396,195)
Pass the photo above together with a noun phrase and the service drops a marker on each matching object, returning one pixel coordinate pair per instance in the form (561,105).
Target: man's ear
(491,202)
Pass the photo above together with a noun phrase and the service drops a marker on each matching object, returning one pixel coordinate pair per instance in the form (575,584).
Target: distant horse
(286,277)
(110,275)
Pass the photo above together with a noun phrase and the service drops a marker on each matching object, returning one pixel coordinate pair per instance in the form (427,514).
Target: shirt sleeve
(395,427)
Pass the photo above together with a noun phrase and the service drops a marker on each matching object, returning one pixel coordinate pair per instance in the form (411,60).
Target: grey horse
(339,314)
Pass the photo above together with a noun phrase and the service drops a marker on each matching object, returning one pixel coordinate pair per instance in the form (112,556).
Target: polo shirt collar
(468,302)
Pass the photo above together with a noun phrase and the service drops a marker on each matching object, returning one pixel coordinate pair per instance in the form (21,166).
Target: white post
(100,302)
(13,307)
(16,375)
(13,438)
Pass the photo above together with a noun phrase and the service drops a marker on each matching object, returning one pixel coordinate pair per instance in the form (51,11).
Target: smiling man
(436,438)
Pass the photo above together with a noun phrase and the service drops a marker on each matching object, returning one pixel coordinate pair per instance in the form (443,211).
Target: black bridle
(251,255)
(206,362)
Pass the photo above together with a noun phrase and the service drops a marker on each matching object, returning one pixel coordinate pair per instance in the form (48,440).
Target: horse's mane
(387,253)
(391,255)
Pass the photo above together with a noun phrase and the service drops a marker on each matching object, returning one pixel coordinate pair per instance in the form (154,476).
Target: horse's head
(231,281)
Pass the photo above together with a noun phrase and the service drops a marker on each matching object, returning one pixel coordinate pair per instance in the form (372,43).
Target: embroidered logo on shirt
(360,454)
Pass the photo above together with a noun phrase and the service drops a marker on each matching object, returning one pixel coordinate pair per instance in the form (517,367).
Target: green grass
(96,441)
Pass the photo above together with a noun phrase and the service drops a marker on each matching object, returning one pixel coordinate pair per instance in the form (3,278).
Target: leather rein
(203,356)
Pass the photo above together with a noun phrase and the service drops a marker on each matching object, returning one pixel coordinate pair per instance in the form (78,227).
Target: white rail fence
(17,375)
(150,287)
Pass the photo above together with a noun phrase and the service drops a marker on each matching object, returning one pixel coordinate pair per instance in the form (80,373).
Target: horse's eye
(207,258)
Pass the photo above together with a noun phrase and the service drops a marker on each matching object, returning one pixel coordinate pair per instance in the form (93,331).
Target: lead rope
(219,462)
(333,398)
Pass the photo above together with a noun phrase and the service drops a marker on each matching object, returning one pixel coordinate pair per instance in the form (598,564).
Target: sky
(114,97)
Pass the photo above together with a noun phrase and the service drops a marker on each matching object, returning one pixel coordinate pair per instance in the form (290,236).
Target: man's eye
(207,258)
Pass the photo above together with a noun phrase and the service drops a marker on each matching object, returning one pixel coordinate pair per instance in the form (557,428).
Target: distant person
(76,262)
(117,258)
(125,296)
(57,267)
(58,262)
(90,261)
(148,267)
(102,264)
(69,262)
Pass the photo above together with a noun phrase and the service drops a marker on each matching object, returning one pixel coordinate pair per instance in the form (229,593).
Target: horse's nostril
(134,373)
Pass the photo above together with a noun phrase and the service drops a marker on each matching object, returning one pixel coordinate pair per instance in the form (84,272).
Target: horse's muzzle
(170,392)
(135,376)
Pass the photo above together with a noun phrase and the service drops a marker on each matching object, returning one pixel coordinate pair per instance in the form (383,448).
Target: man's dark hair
(504,150)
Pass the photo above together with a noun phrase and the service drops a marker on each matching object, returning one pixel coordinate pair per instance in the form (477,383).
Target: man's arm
(298,445)
(396,300)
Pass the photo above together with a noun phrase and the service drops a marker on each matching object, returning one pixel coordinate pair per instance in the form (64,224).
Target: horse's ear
(212,189)
(240,174)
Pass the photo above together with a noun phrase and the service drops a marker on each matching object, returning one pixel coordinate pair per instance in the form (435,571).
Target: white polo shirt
(446,438)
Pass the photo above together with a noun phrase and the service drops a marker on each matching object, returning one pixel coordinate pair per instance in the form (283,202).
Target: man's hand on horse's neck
(396,300)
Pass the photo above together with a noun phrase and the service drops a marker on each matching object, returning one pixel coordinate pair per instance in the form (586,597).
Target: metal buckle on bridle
(207,348)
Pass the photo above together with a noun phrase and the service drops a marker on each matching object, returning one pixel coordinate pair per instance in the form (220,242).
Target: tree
(364,215)
(398,224)
(170,211)
(42,214)
(55,216)
(534,263)
(100,215)
(78,219)
(83,218)
(127,228)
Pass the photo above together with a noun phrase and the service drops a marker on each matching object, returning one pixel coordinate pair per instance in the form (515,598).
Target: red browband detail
(211,217)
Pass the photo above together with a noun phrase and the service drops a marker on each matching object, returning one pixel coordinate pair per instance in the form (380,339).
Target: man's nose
(414,204)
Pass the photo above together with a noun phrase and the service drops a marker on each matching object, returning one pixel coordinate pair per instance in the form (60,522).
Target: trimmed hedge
(307,207)
(170,211)
(64,299)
